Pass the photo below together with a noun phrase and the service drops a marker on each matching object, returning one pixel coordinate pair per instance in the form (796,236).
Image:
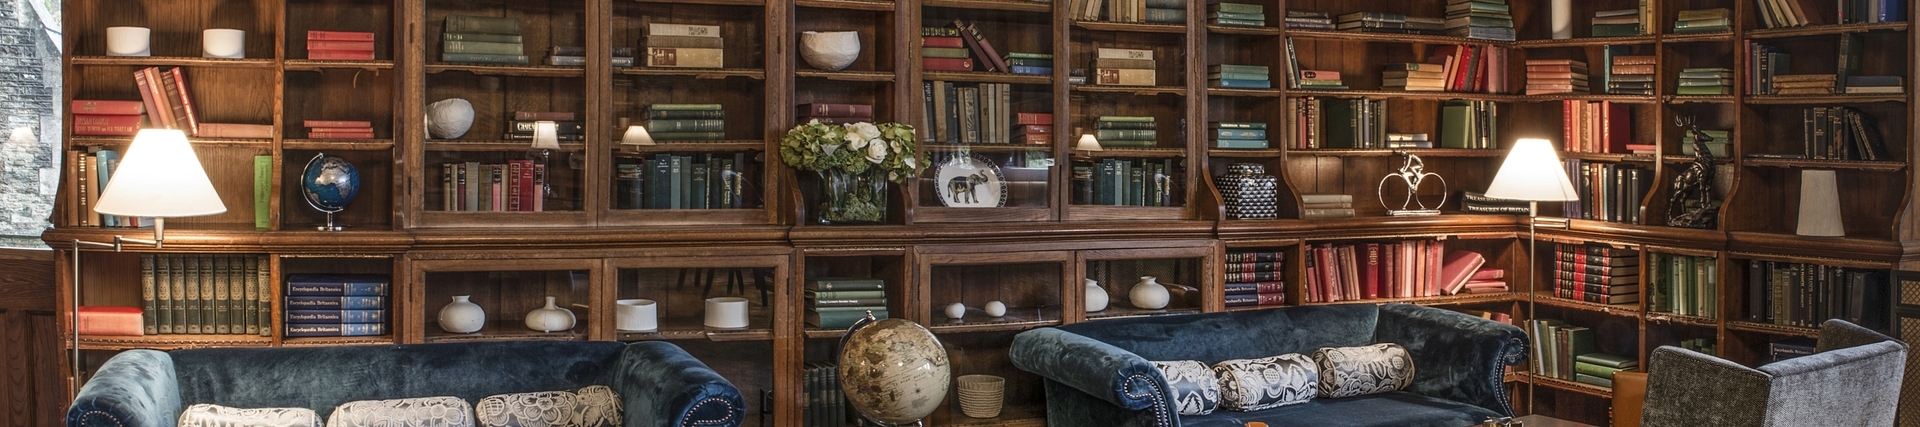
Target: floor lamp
(1532,172)
(160,177)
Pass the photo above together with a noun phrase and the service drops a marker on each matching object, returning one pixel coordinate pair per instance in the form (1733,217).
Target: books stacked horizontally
(1124,67)
(1152,11)
(336,305)
(826,401)
(1033,128)
(1703,21)
(1126,131)
(1803,295)
(1320,80)
(1631,75)
(1478,202)
(1705,81)
(1555,76)
(1596,126)
(941,49)
(1238,135)
(576,56)
(1720,140)
(205,294)
(677,181)
(1159,11)
(834,114)
(339,129)
(1256,278)
(1393,23)
(1683,285)
(1840,133)
(564,130)
(1318,206)
(513,186)
(1034,64)
(1460,274)
(837,302)
(1875,84)
(684,46)
(103,117)
(1371,270)
(1408,140)
(482,39)
(1123,182)
(1617,23)
(686,122)
(1597,273)
(1608,191)
(339,45)
(1414,77)
(1803,84)
(1309,20)
(1480,19)
(1237,14)
(1598,368)
(1469,124)
(1229,76)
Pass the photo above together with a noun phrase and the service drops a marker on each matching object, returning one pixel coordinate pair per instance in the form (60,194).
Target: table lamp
(637,135)
(160,177)
(546,138)
(1087,143)
(1532,172)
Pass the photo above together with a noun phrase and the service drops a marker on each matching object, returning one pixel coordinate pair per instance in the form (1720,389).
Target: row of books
(1595,126)
(1149,11)
(1124,67)
(677,181)
(1473,68)
(980,114)
(1619,23)
(1803,295)
(1238,135)
(1569,352)
(826,401)
(1465,124)
(833,114)
(1556,76)
(168,102)
(1300,78)
(1265,268)
(1236,14)
(338,129)
(91,172)
(1395,269)
(1789,13)
(1126,182)
(1338,123)
(684,46)
(205,294)
(339,45)
(838,302)
(1768,76)
(1596,273)
(1703,21)
(687,122)
(1608,191)
(337,305)
(482,39)
(1480,19)
(1683,285)
(1322,206)
(1231,76)
(1127,131)
(1392,23)
(1838,133)
(518,185)
(1717,145)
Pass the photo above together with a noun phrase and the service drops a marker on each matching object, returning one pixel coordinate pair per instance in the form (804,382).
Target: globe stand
(330,225)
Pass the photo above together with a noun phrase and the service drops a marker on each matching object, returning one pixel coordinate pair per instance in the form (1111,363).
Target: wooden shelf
(1772,329)
(1145,153)
(987,77)
(1264,93)
(508,70)
(314,65)
(709,334)
(1243,153)
(1824,99)
(503,330)
(1394,94)
(710,2)
(1609,157)
(1012,6)
(695,73)
(1586,42)
(334,144)
(170,342)
(1130,27)
(1547,298)
(986,148)
(1016,319)
(1117,311)
(847,76)
(1617,99)
(1823,30)
(1382,152)
(1357,36)
(1700,99)
(874,6)
(686,146)
(1132,90)
(1860,165)
(1573,386)
(1712,37)
(1460,299)
(119,141)
(497,145)
(171,61)
(1695,321)
(333,341)
(1242,31)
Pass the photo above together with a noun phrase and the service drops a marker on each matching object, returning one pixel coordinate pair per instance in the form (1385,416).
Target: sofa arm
(136,388)
(1456,356)
(665,386)
(1686,388)
(1096,368)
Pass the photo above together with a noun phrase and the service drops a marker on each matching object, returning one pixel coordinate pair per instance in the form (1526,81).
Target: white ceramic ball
(956,311)
(830,50)
(449,118)
(996,309)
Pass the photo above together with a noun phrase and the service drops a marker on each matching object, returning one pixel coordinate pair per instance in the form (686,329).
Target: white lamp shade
(159,177)
(1087,143)
(1532,172)
(1820,205)
(546,135)
(637,135)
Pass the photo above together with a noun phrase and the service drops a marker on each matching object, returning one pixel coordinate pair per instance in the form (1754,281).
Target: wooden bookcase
(588,250)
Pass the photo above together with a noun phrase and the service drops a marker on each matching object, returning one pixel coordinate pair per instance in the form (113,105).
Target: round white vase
(462,316)
(830,50)
(449,118)
(1149,294)
(550,318)
(1096,296)
(995,309)
(956,311)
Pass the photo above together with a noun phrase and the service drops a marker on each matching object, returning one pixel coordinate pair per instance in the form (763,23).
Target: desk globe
(329,184)
(893,371)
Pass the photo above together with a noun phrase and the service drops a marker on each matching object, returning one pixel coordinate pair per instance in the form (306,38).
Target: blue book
(335,317)
(1255,144)
(337,303)
(1028,69)
(1230,133)
(1243,84)
(1889,11)
(1238,125)
(333,285)
(1242,300)
(339,330)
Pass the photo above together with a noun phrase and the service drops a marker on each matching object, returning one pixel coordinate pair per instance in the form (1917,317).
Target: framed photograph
(971,182)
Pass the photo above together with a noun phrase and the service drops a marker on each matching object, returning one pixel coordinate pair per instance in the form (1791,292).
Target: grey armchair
(1852,379)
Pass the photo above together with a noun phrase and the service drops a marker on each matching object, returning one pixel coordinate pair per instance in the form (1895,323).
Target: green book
(222,296)
(1579,340)
(264,306)
(482,47)
(1616,30)
(690,136)
(1342,125)
(827,295)
(1595,370)
(1029,55)
(179,308)
(659,171)
(1148,119)
(1239,22)
(246,273)
(839,319)
(1237,125)
(1103,183)
(1703,14)
(1241,144)
(1125,125)
(207,289)
(1029,62)
(685,107)
(676,181)
(944,52)
(1238,8)
(1120,171)
(162,294)
(876,308)
(1231,68)
(468,24)
(483,58)
(697,185)
(845,284)
(1136,185)
(1232,133)
(1125,134)
(147,303)
(477,37)
(1607,360)
(686,125)
(1701,90)
(686,114)
(262,192)
(1593,380)
(193,287)
(1243,16)
(1129,143)
(1456,122)
(1237,76)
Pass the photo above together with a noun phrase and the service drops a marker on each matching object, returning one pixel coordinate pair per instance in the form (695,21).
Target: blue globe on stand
(329,184)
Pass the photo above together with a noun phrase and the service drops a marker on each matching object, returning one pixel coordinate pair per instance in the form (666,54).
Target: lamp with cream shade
(546,138)
(637,135)
(1087,143)
(1532,172)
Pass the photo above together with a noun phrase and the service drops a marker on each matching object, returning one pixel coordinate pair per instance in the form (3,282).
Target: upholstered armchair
(1852,379)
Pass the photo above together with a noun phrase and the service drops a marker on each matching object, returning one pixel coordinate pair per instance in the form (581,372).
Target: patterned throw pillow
(443,411)
(1354,371)
(1267,382)
(206,415)
(1195,391)
(594,406)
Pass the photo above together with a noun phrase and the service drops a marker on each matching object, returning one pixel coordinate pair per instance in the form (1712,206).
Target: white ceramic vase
(1149,294)
(462,316)
(449,118)
(995,309)
(550,318)
(1096,296)
(956,311)
(830,50)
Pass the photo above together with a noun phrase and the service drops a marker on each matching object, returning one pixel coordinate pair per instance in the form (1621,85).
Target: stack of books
(1157,11)
(1256,278)
(1033,128)
(1309,20)
(1608,191)
(339,45)
(1598,368)
(1317,206)
(1408,140)
(1238,135)
(1705,81)
(1229,76)
(1556,76)
(1616,23)
(1485,281)
(1631,75)
(1683,285)
(1394,23)
(1703,21)
(336,305)
(208,294)
(1320,80)
(686,122)
(684,46)
(1596,273)
(1036,64)
(1596,126)
(1128,182)
(984,55)
(1237,14)
(1721,139)
(514,186)
(1803,84)
(1469,124)
(1126,131)
(1480,19)
(834,114)
(1788,13)
(1457,270)
(1414,77)
(941,49)
(837,302)
(1477,202)
(575,56)
(339,129)
(102,117)
(1875,84)
(676,181)
(564,130)
(1124,67)
(482,39)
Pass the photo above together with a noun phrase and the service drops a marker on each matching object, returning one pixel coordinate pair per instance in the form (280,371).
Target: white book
(659,29)
(1113,53)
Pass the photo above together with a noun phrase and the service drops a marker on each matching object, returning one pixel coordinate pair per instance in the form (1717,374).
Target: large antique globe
(329,183)
(893,371)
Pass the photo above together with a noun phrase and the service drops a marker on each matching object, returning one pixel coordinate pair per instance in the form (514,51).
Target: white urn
(462,316)
(830,50)
(550,318)
(1149,294)
(956,311)
(995,309)
(449,118)
(1097,297)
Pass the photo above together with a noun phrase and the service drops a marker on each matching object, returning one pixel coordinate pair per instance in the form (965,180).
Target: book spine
(108,107)
(986,48)
(207,289)
(483,58)
(222,295)
(685,57)
(481,25)
(343,45)
(1256,287)
(177,310)
(337,303)
(335,289)
(193,287)
(844,284)
(336,330)
(836,110)
(515,49)
(946,64)
(335,316)
(664,29)
(339,35)
(148,305)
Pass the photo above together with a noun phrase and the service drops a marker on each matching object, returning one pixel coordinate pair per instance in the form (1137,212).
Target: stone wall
(29,119)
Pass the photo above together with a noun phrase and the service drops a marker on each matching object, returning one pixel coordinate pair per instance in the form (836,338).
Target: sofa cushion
(1395,409)
(441,411)
(593,406)
(206,415)
(1195,390)
(1354,371)
(1255,384)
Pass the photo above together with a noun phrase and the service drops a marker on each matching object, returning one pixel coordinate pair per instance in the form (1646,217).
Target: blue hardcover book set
(336,305)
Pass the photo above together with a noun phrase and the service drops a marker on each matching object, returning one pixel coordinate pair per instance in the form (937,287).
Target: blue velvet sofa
(660,384)
(1097,373)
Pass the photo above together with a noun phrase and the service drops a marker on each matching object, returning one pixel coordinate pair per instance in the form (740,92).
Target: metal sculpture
(1692,203)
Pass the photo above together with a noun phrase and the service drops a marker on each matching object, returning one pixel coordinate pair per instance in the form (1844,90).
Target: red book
(981,47)
(946,64)
(151,98)
(113,321)
(1370,271)
(1319,75)
(558,116)
(941,41)
(1486,273)
(1036,139)
(1459,268)
(337,123)
(1329,278)
(1436,257)
(179,76)
(1485,287)
(340,55)
(235,130)
(108,107)
(1033,119)
(339,135)
(366,46)
(820,109)
(340,35)
(527,190)
(513,185)
(1616,127)
(106,125)
(1033,129)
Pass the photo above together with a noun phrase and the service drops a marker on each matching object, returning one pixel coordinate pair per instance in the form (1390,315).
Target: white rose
(854,140)
(865,129)
(911,164)
(876,153)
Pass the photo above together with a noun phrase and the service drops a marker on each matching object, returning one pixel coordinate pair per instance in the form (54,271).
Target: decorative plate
(971,182)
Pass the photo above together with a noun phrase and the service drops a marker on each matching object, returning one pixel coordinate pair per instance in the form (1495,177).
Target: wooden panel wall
(30,357)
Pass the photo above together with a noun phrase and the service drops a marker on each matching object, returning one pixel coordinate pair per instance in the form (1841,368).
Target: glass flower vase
(852,198)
